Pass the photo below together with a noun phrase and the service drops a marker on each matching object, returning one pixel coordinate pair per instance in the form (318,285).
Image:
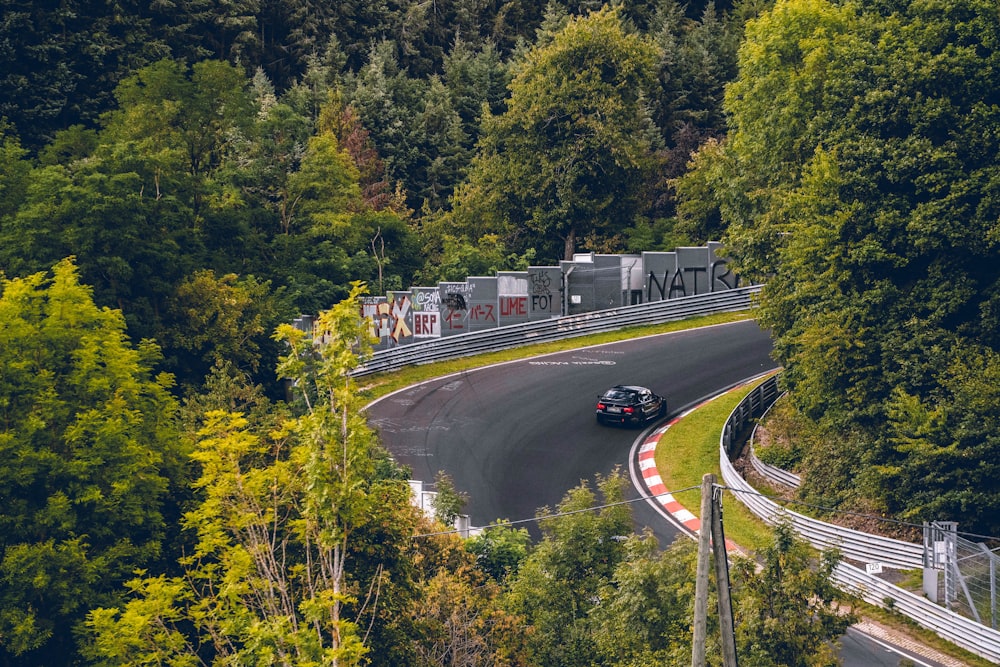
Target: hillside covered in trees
(193,157)
(178,180)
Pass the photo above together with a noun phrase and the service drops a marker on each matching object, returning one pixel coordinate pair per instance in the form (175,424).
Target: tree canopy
(90,461)
(569,156)
(859,179)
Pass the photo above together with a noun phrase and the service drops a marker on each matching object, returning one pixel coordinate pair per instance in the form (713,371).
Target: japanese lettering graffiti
(482,312)
(455,306)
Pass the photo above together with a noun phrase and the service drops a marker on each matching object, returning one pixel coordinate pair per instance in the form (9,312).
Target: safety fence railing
(772,474)
(970,582)
(959,630)
(853,544)
(501,338)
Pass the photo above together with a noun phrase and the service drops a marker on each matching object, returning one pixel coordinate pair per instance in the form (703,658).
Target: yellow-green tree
(300,542)
(89,457)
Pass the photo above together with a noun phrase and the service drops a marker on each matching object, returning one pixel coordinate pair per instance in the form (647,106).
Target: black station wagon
(629,404)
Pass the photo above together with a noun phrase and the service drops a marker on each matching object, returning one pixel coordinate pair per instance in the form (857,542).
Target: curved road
(517,436)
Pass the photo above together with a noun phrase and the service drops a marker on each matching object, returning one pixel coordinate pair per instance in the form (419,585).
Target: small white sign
(575,298)
(940,553)
(873,568)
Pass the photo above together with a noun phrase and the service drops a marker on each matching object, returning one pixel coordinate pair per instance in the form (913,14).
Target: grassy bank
(689,449)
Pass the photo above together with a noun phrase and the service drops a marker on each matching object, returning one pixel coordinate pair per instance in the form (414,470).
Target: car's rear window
(618,395)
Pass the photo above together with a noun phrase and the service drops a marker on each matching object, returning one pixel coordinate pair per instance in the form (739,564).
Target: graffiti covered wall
(589,283)
(512,297)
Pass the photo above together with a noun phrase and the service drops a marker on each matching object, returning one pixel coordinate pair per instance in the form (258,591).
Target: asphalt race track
(517,436)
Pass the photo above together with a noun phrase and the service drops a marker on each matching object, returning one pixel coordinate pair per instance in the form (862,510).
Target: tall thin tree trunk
(570,246)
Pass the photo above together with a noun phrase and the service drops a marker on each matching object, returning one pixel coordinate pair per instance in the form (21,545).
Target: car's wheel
(663,409)
(600,419)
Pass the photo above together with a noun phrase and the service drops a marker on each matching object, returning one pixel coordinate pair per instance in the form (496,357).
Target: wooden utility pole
(722,582)
(701,575)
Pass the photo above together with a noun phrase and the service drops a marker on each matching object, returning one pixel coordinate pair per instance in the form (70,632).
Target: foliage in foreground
(301,551)
(91,461)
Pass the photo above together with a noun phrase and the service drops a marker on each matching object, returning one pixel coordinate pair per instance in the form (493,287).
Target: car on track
(629,404)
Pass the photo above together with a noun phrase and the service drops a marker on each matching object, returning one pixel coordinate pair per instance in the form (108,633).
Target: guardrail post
(946,532)
(993,585)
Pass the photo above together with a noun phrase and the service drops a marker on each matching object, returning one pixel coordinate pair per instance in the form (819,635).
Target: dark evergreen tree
(474,78)
(387,101)
(60,63)
(444,157)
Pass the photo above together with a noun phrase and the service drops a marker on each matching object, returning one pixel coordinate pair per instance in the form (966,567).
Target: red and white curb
(646,459)
(654,483)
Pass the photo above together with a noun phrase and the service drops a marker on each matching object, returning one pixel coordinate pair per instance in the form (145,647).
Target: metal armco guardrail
(959,630)
(775,475)
(771,473)
(600,321)
(853,544)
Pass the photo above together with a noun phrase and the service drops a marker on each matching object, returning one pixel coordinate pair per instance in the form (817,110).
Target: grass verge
(689,449)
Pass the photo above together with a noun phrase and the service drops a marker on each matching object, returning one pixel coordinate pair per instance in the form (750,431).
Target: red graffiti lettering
(423,324)
(453,318)
(512,306)
(482,312)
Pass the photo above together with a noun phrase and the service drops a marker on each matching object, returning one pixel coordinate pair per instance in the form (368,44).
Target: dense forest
(179,180)
(191,157)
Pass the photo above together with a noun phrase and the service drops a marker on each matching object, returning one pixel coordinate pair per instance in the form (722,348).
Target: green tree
(89,458)
(335,235)
(223,319)
(444,155)
(448,501)
(301,548)
(475,77)
(786,607)
(558,585)
(181,119)
(570,155)
(859,181)
(264,159)
(499,549)
(386,100)
(60,63)
(14,171)
(645,611)
(457,617)
(133,209)
(128,245)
